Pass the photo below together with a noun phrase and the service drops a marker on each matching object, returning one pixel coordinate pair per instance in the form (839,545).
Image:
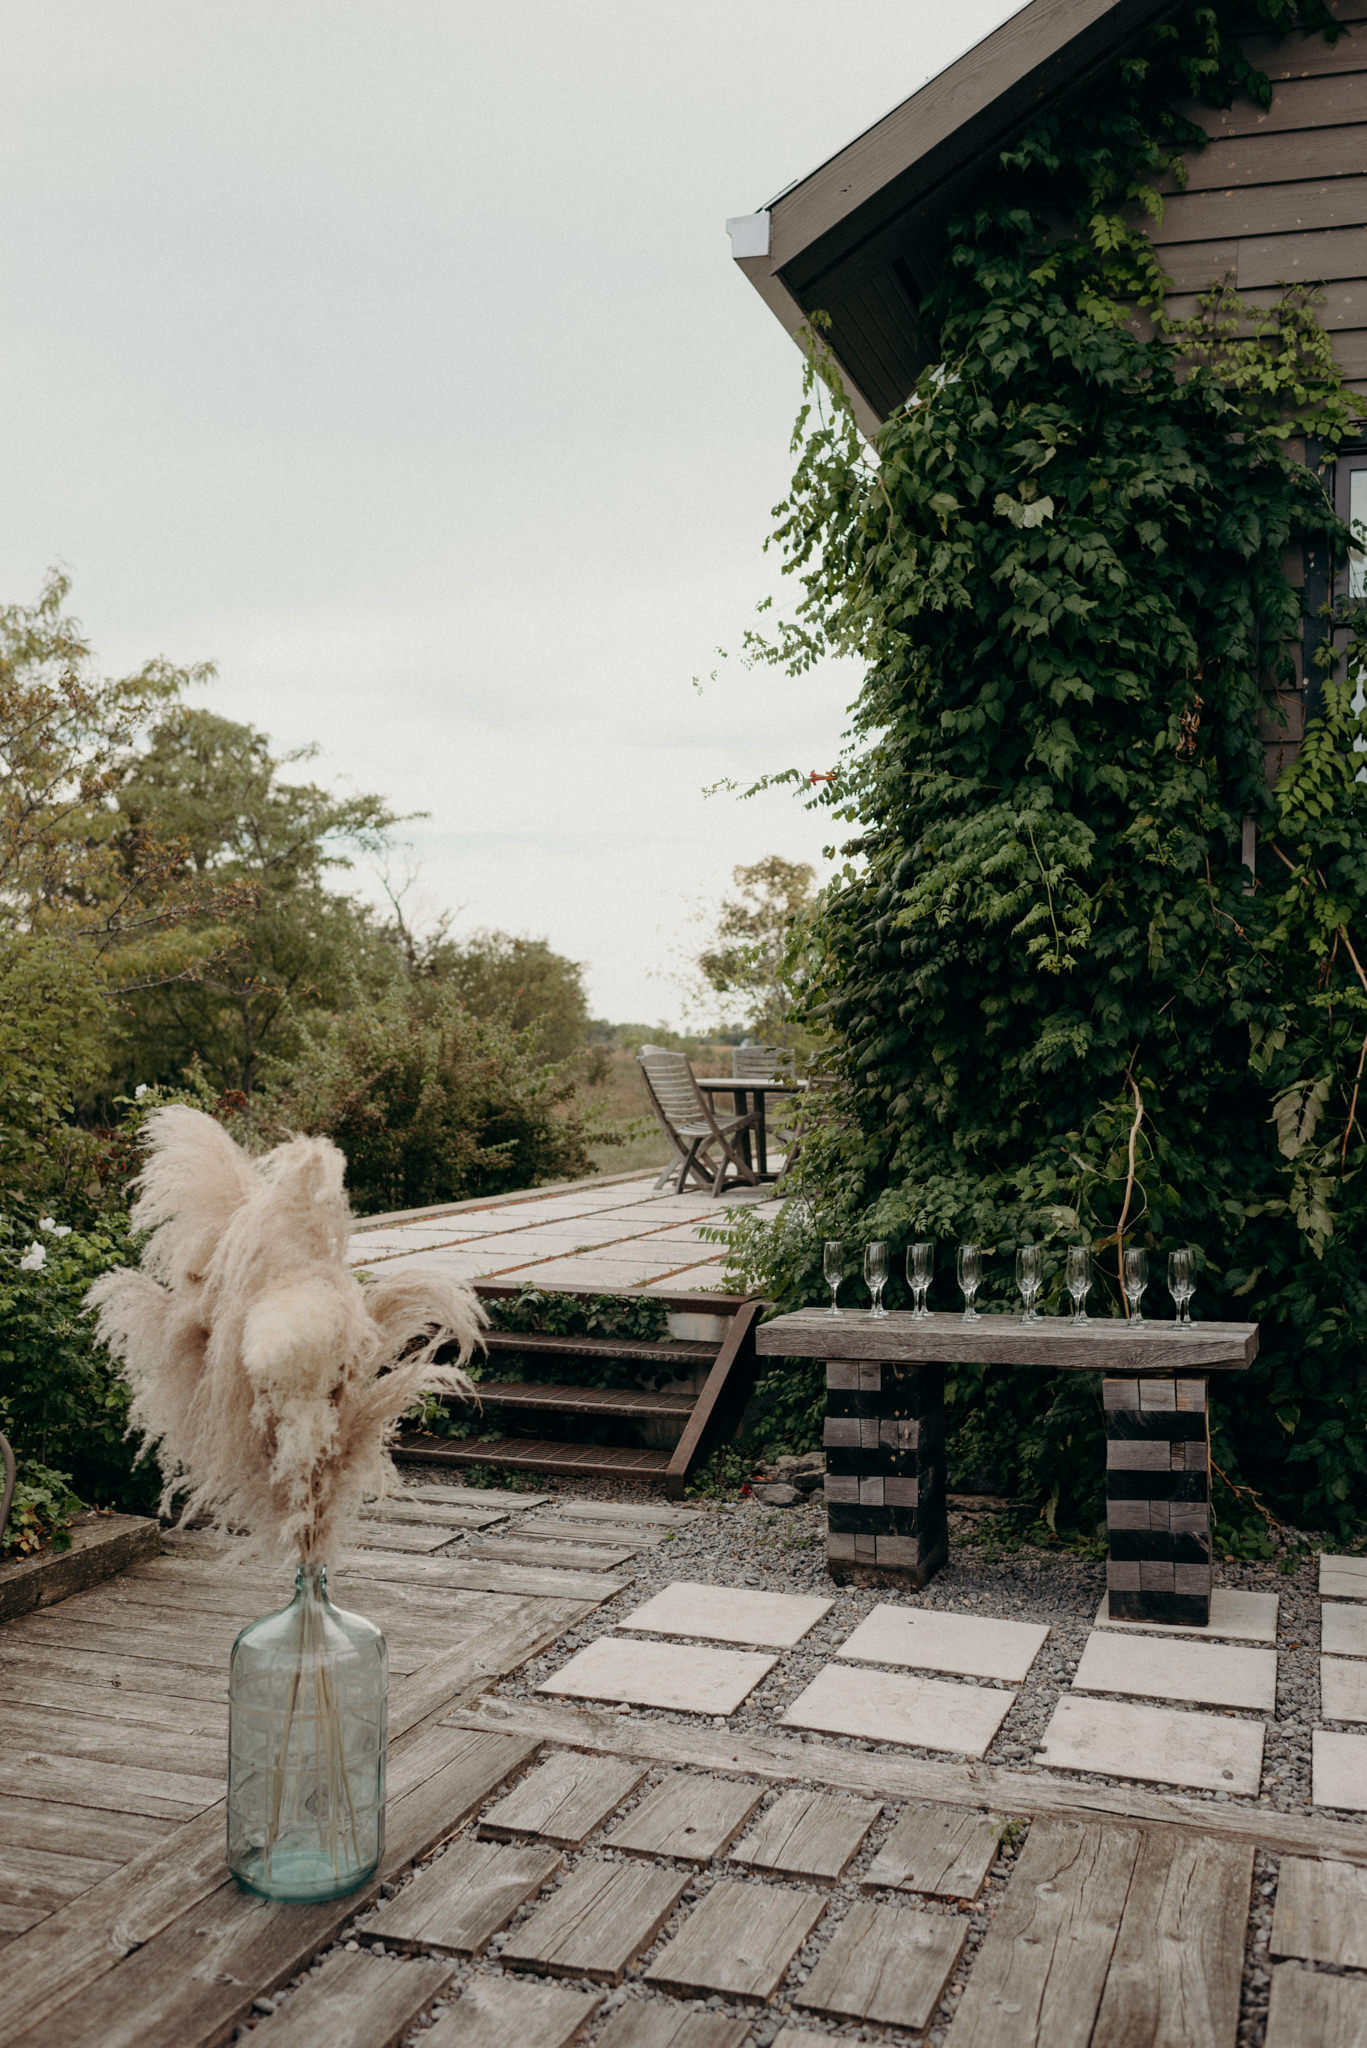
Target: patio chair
(763,1063)
(687,1120)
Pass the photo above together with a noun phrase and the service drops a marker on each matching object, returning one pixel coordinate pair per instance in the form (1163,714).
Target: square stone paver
(1240,1617)
(729,1614)
(1338,1770)
(1208,1674)
(1155,1744)
(1343,1578)
(1343,1689)
(674,1676)
(883,1706)
(971,1645)
(1343,1630)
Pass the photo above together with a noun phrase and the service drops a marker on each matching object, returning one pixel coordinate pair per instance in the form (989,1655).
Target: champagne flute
(1079,1277)
(876,1275)
(1134,1280)
(1029,1278)
(1182,1284)
(920,1265)
(833,1266)
(970,1277)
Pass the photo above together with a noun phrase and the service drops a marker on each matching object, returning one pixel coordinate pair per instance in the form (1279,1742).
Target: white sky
(391,356)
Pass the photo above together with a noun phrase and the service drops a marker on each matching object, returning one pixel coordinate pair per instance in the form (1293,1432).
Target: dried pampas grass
(265,1376)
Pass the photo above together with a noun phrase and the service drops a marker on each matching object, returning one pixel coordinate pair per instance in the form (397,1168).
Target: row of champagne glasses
(1029,1278)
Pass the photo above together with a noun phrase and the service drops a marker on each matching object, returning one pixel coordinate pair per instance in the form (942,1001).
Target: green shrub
(63,1404)
(42,1511)
(431,1104)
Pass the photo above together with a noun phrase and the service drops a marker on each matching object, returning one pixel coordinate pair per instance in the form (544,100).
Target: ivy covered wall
(1061,1007)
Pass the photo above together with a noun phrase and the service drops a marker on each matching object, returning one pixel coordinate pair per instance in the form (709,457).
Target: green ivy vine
(1060,1006)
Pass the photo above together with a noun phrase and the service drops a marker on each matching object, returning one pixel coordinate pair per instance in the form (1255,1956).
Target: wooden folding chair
(692,1128)
(763,1063)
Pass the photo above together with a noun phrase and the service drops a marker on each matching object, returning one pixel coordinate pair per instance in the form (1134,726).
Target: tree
(750,961)
(80,900)
(520,982)
(297,946)
(432,1104)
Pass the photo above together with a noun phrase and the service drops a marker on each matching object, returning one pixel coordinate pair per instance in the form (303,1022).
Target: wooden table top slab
(1056,1342)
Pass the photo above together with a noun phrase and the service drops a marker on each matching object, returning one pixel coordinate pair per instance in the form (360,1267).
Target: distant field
(621,1096)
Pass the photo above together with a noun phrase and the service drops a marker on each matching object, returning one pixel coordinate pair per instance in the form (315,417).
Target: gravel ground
(747,1544)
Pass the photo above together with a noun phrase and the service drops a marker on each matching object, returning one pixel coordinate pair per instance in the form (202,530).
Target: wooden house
(1278,195)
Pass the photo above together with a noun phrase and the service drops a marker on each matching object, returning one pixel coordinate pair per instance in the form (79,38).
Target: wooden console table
(885,1439)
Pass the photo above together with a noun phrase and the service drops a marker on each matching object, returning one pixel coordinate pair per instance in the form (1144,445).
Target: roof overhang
(860,238)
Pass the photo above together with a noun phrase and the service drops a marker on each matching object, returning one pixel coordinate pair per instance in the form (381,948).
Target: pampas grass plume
(267,1379)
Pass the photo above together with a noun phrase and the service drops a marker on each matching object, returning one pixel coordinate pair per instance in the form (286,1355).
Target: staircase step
(681,1354)
(528,1454)
(628,1403)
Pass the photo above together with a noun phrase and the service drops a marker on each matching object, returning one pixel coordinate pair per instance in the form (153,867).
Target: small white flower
(140,1091)
(57,1229)
(34,1259)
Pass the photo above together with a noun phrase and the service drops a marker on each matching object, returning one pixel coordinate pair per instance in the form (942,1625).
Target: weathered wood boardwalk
(716,1875)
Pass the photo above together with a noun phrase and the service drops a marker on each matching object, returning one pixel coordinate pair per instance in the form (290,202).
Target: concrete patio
(605,1234)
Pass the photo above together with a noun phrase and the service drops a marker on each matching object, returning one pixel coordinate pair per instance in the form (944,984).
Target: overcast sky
(391,356)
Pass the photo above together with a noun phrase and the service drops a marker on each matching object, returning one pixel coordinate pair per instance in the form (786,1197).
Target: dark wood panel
(1345,304)
(1252,160)
(1272,210)
(1294,259)
(1324,101)
(1195,266)
(1308,56)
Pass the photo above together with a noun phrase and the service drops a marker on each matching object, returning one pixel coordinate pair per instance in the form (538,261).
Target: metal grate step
(528,1454)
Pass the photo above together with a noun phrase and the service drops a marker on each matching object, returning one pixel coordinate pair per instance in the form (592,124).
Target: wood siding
(1279,196)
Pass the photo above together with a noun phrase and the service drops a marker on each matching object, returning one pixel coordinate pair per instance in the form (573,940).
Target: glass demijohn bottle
(307,1730)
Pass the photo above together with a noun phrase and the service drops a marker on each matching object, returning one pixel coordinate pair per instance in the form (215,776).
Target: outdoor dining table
(740,1088)
(885,1439)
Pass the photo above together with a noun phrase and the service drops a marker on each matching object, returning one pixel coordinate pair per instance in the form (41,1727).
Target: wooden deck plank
(943,1852)
(153,1746)
(505,2012)
(738,1941)
(208,1948)
(888,1964)
(446,1514)
(25,1686)
(79,1830)
(355,2001)
(994,1788)
(563,1800)
(808,1834)
(1321,1913)
(1308,2010)
(45,1879)
(689,1816)
(1175,1976)
(651,2023)
(95,1671)
(1038,1980)
(459,1902)
(82,1781)
(553,1555)
(414,1538)
(597,1921)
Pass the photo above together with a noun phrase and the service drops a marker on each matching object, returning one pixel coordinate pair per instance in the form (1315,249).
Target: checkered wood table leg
(885,1471)
(1158,1499)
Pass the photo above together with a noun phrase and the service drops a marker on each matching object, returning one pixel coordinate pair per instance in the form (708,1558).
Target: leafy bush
(42,1511)
(63,1404)
(431,1104)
